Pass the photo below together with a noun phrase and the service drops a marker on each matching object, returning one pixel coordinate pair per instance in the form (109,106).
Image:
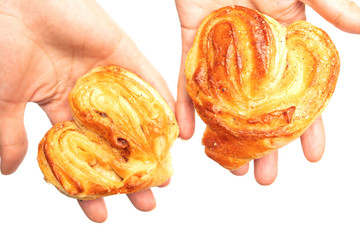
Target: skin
(45,57)
(343,14)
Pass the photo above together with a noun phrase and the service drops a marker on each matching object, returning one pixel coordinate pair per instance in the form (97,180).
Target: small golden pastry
(119,141)
(257,85)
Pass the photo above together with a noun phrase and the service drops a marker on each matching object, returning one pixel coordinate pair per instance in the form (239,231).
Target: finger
(313,141)
(344,14)
(143,200)
(95,209)
(165,184)
(128,56)
(266,169)
(241,171)
(13,139)
(185,113)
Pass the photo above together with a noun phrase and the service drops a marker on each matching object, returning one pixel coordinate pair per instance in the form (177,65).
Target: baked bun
(257,85)
(119,141)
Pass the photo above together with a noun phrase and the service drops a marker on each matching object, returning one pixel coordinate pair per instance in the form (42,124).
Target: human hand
(45,47)
(343,14)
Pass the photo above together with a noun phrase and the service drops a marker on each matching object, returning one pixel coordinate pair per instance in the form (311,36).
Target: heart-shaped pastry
(257,85)
(119,141)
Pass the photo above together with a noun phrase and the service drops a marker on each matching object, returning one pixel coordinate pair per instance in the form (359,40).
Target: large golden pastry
(257,85)
(119,140)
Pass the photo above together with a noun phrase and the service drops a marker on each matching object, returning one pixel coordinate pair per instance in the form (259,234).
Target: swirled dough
(119,141)
(257,85)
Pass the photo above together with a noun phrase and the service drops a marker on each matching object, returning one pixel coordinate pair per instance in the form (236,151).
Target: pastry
(119,140)
(257,85)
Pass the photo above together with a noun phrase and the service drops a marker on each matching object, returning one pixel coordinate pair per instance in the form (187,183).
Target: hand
(45,46)
(343,14)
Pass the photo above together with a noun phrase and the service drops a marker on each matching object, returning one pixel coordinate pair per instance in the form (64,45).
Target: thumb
(344,14)
(13,139)
(185,114)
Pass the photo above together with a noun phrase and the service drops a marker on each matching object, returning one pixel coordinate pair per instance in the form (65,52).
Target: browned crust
(226,71)
(83,164)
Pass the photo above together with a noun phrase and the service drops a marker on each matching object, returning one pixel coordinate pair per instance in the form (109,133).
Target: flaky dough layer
(119,141)
(257,85)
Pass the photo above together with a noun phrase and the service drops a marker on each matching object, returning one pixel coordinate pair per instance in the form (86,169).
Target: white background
(204,201)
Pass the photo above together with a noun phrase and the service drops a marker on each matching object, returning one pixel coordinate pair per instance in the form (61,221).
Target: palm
(44,42)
